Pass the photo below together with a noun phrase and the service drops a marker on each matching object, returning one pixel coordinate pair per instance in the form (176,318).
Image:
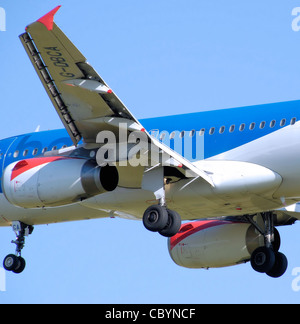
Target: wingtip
(48,19)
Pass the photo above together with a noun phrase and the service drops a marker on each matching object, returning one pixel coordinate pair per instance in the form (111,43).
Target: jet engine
(214,243)
(56,181)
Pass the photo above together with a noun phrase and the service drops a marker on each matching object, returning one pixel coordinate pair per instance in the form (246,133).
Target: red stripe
(25,165)
(192,228)
(47,19)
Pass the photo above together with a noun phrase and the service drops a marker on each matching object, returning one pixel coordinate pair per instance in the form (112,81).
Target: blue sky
(161,58)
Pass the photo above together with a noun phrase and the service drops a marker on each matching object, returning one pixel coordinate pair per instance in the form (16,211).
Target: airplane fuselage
(264,135)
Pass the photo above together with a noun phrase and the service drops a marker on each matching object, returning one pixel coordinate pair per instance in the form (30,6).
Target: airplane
(231,175)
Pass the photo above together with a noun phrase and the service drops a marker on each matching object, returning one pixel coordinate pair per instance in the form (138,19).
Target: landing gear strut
(157,218)
(267,259)
(15,262)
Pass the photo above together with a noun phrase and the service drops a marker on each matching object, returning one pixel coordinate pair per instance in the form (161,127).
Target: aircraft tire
(173,226)
(14,263)
(21,265)
(10,262)
(263,259)
(155,218)
(279,267)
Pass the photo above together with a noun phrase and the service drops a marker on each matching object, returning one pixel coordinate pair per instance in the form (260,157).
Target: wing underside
(84,102)
(80,96)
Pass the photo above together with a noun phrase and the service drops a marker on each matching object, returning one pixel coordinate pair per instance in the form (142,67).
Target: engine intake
(56,181)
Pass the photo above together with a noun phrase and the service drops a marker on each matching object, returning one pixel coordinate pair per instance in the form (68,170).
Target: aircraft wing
(84,102)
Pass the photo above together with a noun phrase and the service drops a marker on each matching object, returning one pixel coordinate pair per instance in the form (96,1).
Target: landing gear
(279,267)
(173,224)
(155,218)
(263,259)
(158,218)
(267,259)
(15,262)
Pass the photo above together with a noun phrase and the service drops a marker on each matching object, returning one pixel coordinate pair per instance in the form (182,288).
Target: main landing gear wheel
(279,267)
(15,262)
(263,259)
(158,218)
(155,218)
(173,225)
(267,259)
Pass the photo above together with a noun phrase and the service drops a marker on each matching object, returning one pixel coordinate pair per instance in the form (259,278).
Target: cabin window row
(232,128)
(35,151)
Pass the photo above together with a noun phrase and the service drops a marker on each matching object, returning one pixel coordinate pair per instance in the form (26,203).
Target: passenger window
(272,123)
(192,133)
(211,131)
(202,131)
(181,134)
(231,128)
(222,130)
(162,136)
(262,124)
(45,149)
(282,122)
(154,133)
(172,135)
(54,148)
(293,120)
(242,127)
(16,154)
(34,152)
(252,126)
(25,152)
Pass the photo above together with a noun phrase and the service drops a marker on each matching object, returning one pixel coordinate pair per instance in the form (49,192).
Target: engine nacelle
(55,181)
(213,243)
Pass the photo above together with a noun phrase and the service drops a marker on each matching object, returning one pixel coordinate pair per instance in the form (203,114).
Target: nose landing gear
(15,262)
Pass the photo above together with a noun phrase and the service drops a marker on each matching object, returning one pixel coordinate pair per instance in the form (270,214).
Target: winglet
(47,19)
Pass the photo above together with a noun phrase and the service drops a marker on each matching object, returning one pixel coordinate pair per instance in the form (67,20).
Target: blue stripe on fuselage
(211,144)
(218,143)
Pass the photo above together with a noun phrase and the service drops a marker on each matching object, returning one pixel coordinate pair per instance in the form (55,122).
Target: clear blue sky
(161,57)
